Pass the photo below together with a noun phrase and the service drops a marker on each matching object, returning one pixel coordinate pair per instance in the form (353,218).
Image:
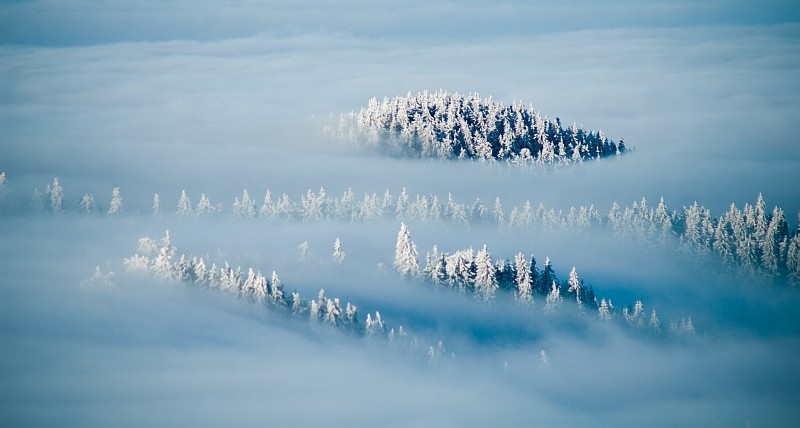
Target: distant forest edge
(751,240)
(451,126)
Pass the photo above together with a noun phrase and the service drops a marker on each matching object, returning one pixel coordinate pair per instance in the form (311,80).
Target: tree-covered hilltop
(448,125)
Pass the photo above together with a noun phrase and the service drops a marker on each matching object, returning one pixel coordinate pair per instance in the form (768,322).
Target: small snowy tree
(184,205)
(338,253)
(244,208)
(553,301)
(162,265)
(655,324)
(544,360)
(374,326)
(604,310)
(333,312)
(276,294)
(156,206)
(305,251)
(56,197)
(351,315)
(575,285)
(498,213)
(204,206)
(523,280)
(88,206)
(638,317)
(405,254)
(116,204)
(200,271)
(37,201)
(298,306)
(485,276)
(687,326)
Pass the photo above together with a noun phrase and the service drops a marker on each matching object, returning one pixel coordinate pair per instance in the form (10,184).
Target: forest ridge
(448,126)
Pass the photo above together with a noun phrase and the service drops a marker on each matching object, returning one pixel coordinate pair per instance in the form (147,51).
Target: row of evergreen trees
(477,274)
(474,274)
(756,240)
(160,259)
(448,125)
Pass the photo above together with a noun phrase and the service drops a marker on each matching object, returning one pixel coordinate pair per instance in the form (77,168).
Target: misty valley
(301,214)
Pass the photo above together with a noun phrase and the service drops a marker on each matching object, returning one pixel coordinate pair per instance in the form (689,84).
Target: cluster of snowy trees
(479,275)
(753,239)
(159,258)
(448,125)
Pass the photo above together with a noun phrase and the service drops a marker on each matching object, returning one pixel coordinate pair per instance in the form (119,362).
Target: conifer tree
(116,204)
(553,301)
(338,253)
(156,206)
(56,197)
(575,285)
(87,205)
(655,324)
(184,205)
(522,280)
(485,276)
(405,255)
(604,310)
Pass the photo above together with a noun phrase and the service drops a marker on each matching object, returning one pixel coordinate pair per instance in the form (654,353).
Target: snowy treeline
(752,238)
(478,274)
(159,258)
(445,125)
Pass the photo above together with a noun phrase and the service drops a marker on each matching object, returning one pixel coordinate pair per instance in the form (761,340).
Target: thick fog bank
(709,111)
(160,97)
(144,351)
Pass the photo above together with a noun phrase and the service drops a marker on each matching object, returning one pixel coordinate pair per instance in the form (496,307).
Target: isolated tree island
(451,126)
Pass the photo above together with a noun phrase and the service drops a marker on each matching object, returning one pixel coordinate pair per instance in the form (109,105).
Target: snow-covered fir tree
(246,207)
(184,205)
(338,253)
(56,197)
(204,206)
(654,323)
(485,277)
(374,326)
(87,205)
(156,206)
(305,251)
(116,204)
(405,255)
(276,294)
(523,282)
(267,209)
(553,300)
(575,285)
(604,310)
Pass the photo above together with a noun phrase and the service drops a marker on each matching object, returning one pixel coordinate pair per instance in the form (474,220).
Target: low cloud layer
(111,95)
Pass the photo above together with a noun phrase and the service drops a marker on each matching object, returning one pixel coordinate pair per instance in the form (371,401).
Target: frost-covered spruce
(338,253)
(116,204)
(523,280)
(485,277)
(405,255)
(56,197)
(87,205)
(184,205)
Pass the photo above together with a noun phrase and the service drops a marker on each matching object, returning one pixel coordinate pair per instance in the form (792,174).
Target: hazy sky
(213,97)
